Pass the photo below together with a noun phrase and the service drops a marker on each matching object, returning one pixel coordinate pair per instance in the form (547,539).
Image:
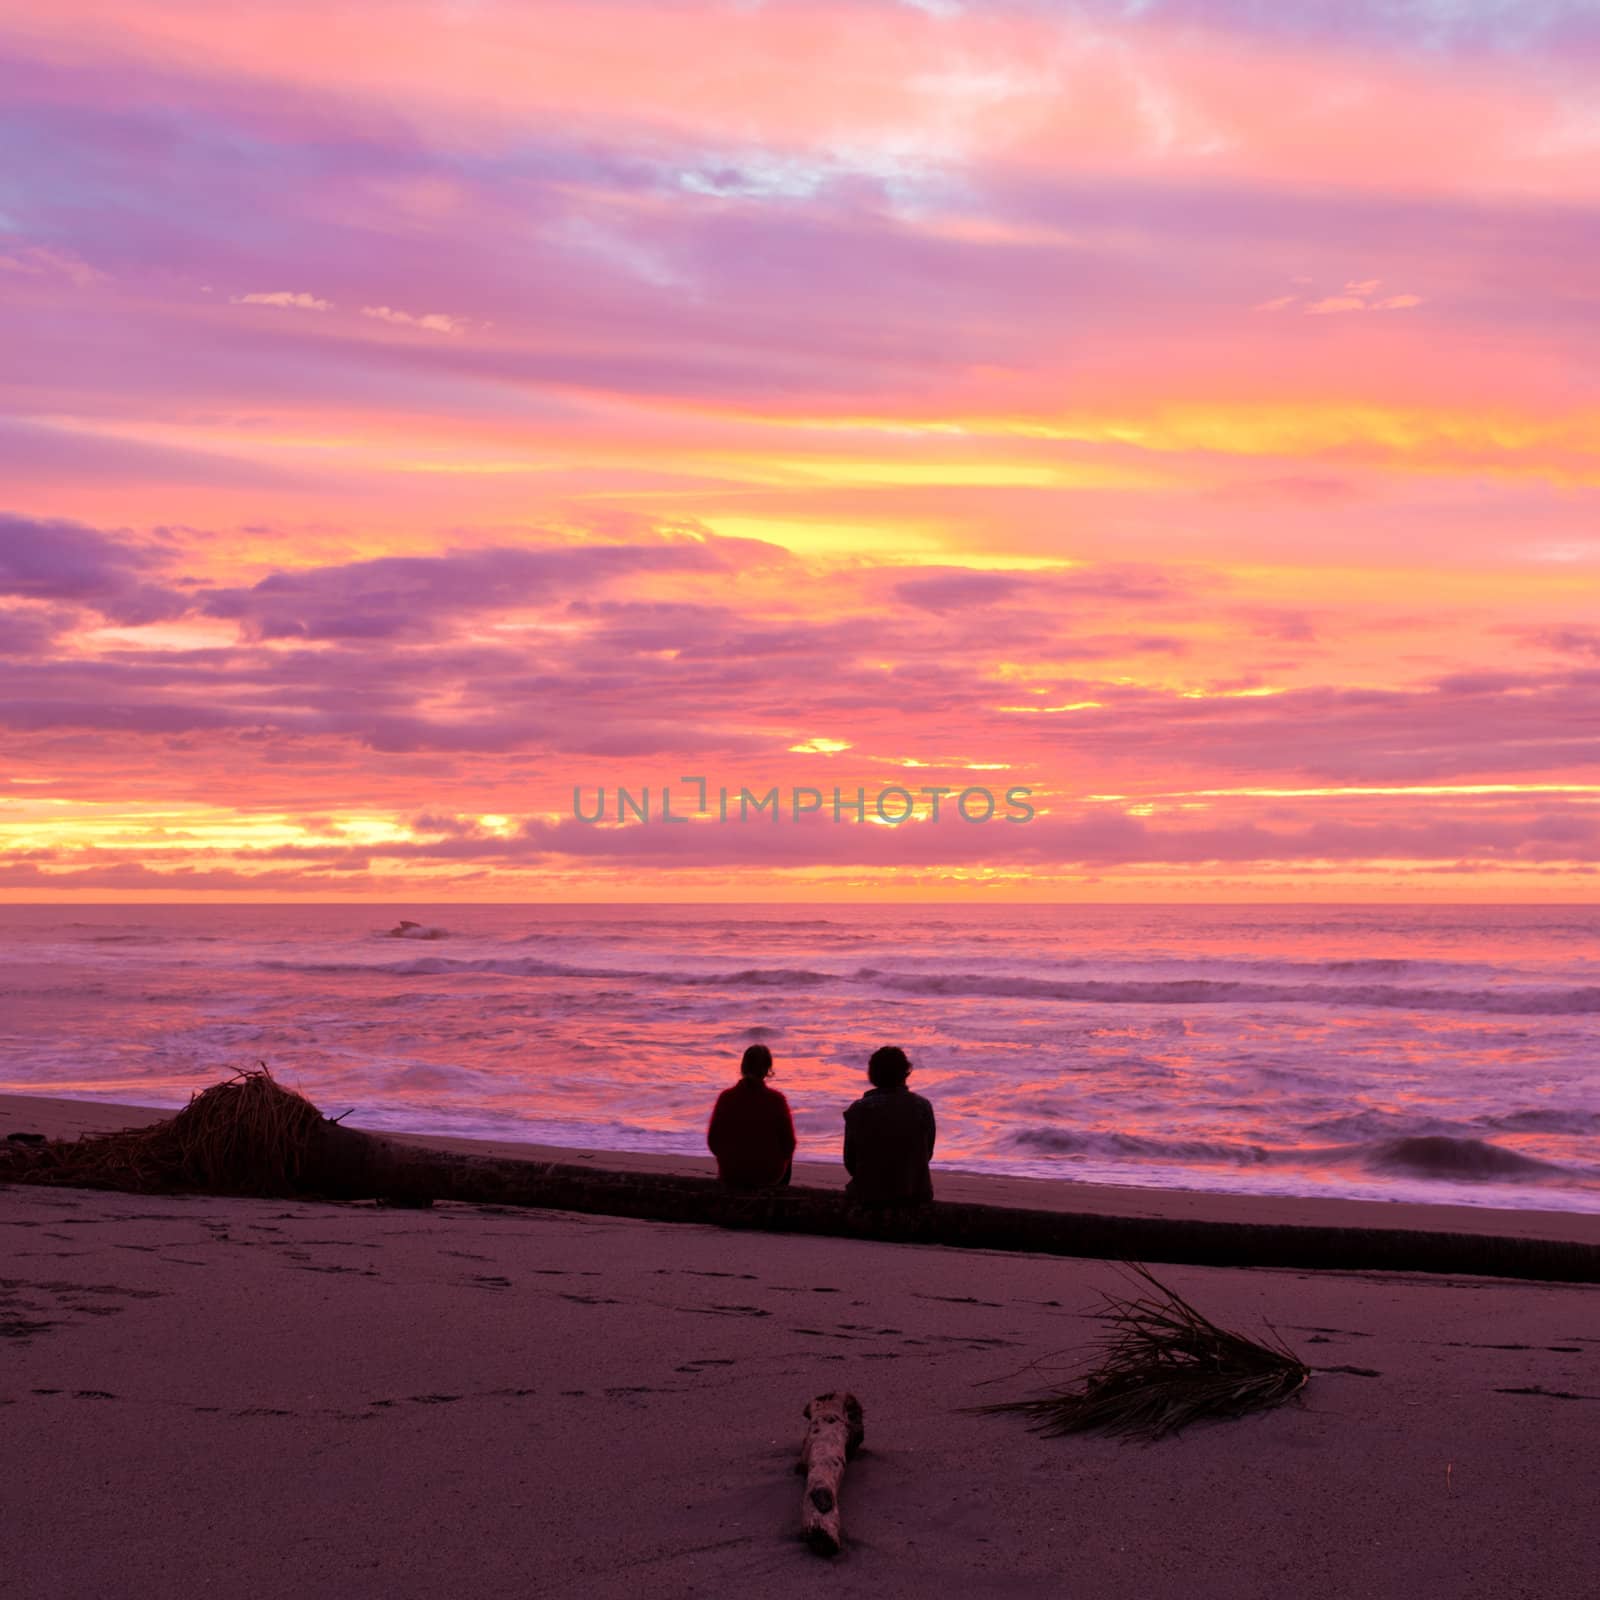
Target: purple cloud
(399,597)
(65,561)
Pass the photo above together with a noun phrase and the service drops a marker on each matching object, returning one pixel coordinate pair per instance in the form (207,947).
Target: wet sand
(252,1397)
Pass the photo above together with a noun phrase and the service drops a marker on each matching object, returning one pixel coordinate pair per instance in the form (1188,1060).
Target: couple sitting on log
(888,1133)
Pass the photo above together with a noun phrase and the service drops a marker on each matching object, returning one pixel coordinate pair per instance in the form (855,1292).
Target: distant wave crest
(1210,991)
(1521,1001)
(1545,1119)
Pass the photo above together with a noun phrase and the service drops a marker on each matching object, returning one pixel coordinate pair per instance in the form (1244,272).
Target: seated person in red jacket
(888,1137)
(751,1132)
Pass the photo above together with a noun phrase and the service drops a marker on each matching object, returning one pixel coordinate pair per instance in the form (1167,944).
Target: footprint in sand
(24,1328)
(1549,1394)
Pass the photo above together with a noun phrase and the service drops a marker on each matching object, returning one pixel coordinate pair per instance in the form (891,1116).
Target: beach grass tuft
(247,1135)
(1163,1366)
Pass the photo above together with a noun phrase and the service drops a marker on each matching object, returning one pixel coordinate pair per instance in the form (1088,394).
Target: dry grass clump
(1163,1366)
(247,1135)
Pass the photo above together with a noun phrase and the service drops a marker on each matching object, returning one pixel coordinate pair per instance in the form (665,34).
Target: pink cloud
(37,261)
(433,321)
(285,298)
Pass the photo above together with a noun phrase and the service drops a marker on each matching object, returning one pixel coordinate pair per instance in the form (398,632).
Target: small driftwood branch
(834,1436)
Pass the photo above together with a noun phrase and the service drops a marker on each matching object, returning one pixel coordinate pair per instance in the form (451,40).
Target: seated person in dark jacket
(751,1132)
(888,1137)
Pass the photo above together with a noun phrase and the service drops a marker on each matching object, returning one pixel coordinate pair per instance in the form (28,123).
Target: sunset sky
(1189,411)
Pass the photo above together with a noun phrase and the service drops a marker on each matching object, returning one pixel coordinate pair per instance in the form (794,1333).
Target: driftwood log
(835,1434)
(366,1164)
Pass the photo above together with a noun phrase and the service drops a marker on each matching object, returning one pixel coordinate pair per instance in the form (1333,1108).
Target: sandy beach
(291,1398)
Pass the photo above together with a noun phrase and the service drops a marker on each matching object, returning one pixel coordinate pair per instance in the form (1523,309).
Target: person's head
(889,1067)
(757,1063)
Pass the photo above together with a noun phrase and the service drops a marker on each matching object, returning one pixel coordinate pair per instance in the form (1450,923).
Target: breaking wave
(1132,1146)
(1434,1155)
(1431,1156)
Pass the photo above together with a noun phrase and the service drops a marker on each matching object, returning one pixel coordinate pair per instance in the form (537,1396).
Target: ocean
(1444,1053)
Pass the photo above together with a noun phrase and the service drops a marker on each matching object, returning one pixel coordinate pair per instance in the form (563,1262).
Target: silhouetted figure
(751,1132)
(888,1137)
